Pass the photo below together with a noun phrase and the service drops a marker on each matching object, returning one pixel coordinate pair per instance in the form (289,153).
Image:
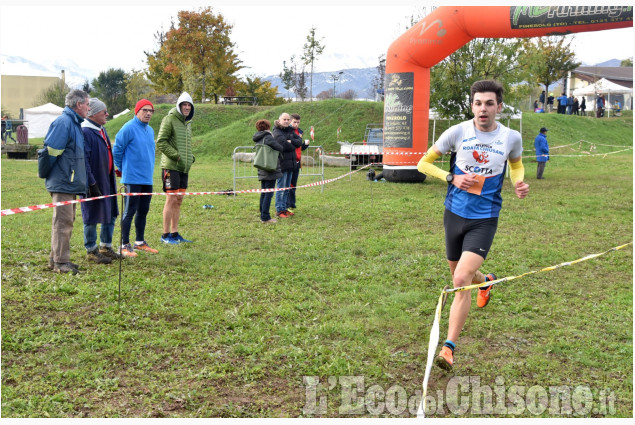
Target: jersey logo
(481,158)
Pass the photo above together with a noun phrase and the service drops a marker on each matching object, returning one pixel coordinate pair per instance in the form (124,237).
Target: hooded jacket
(281,135)
(64,141)
(175,138)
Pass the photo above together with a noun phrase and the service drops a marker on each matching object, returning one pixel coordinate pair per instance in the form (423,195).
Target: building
(22,92)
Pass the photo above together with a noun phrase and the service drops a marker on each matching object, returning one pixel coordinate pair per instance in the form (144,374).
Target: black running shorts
(465,234)
(173,180)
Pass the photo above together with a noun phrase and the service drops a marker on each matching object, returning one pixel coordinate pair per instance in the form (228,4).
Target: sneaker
(127,251)
(180,238)
(65,268)
(282,214)
(289,213)
(145,247)
(482,298)
(107,251)
(445,359)
(97,257)
(270,221)
(169,240)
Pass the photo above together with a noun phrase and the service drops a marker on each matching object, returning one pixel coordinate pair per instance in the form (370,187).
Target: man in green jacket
(175,144)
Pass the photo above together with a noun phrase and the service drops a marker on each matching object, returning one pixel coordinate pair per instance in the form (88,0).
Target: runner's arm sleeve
(427,167)
(517,170)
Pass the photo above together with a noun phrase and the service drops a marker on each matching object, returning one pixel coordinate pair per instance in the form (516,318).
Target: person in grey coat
(267,179)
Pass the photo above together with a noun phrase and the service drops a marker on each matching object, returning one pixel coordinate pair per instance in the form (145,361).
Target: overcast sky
(266,33)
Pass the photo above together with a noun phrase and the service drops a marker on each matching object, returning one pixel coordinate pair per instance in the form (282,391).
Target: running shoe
(270,221)
(145,247)
(180,238)
(169,240)
(445,359)
(289,213)
(127,251)
(282,214)
(482,298)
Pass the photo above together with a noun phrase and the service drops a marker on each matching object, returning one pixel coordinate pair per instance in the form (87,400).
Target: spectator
(267,179)
(600,106)
(286,137)
(570,105)
(100,177)
(175,143)
(562,104)
(576,106)
(295,123)
(133,154)
(550,102)
(542,99)
(583,106)
(66,179)
(542,152)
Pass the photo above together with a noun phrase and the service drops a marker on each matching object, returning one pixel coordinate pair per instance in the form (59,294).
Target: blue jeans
(294,182)
(265,199)
(105,236)
(135,205)
(282,197)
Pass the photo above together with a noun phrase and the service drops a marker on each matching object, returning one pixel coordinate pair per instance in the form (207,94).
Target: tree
(137,87)
(325,94)
(349,94)
(86,86)
(627,62)
(548,59)
(201,44)
(312,49)
(261,90)
(55,94)
(286,76)
(377,84)
(110,88)
(479,59)
(165,79)
(300,85)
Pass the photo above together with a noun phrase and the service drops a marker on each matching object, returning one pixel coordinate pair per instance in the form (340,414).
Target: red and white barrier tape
(12,211)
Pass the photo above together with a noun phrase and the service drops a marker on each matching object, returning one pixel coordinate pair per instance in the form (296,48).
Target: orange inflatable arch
(410,57)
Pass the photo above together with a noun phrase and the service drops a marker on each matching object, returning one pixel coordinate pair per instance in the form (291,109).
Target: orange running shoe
(482,298)
(145,247)
(445,359)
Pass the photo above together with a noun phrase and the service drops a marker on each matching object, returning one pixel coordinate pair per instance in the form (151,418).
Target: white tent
(603,86)
(40,118)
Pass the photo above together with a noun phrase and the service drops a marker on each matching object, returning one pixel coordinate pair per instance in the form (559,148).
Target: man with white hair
(65,174)
(100,176)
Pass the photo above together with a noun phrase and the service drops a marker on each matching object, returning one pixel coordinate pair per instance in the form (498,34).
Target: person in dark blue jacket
(100,176)
(66,176)
(542,151)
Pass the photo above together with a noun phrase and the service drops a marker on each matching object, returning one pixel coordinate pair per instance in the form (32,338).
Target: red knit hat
(140,104)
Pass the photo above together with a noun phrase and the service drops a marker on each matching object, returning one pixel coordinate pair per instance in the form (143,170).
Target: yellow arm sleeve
(427,167)
(517,171)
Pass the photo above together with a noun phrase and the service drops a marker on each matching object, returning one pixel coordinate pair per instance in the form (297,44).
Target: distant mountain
(74,74)
(357,79)
(612,62)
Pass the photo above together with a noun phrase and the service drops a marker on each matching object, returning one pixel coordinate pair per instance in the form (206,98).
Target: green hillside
(218,129)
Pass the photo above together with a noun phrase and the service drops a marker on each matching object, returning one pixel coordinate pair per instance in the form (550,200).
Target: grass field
(237,323)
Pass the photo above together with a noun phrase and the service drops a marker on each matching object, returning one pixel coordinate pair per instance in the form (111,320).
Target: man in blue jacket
(100,176)
(542,151)
(66,176)
(133,154)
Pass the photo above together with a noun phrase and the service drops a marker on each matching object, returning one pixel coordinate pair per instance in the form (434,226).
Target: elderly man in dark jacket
(65,172)
(100,176)
(285,135)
